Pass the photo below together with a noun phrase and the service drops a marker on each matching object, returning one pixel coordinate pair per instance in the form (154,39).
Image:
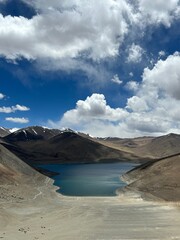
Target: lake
(99,179)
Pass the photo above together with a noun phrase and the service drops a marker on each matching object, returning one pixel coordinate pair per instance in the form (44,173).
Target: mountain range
(38,145)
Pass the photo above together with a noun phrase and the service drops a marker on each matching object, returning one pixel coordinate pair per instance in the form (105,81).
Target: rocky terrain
(4,132)
(159,180)
(18,181)
(149,147)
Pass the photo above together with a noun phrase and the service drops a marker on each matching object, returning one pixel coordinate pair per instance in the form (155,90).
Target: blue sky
(108,68)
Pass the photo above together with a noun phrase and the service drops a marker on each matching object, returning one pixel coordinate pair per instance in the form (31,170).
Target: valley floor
(88,218)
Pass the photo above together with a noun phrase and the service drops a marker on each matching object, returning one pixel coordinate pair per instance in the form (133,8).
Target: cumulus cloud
(78,29)
(153,110)
(17,120)
(135,53)
(60,33)
(159,11)
(2,96)
(116,79)
(94,109)
(13,109)
(132,85)
(137,104)
(159,95)
(165,76)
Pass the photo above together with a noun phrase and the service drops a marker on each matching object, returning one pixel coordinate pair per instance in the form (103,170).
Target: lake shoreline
(101,179)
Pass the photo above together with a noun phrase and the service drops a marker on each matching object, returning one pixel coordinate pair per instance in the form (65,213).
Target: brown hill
(126,144)
(66,147)
(160,180)
(18,181)
(147,147)
(163,146)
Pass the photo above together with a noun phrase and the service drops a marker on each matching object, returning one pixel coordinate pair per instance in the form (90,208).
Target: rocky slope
(158,180)
(4,132)
(148,147)
(18,181)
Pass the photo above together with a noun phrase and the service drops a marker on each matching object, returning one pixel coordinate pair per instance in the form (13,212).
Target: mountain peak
(4,132)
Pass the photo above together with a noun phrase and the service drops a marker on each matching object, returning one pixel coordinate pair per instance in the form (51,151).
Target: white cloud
(2,96)
(132,85)
(17,120)
(153,110)
(160,92)
(158,11)
(13,109)
(116,79)
(162,53)
(165,76)
(137,104)
(143,123)
(20,108)
(80,29)
(93,109)
(6,110)
(67,33)
(135,53)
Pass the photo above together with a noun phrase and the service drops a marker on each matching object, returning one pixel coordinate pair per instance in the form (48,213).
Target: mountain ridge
(67,145)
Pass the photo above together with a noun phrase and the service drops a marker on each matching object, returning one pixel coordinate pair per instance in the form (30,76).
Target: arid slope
(18,181)
(152,148)
(159,180)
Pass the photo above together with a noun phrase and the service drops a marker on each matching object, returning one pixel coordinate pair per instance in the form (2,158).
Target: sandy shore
(88,218)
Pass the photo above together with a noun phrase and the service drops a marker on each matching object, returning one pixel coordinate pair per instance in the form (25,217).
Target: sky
(106,68)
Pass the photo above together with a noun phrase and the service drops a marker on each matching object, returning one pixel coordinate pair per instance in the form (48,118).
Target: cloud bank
(79,29)
(152,110)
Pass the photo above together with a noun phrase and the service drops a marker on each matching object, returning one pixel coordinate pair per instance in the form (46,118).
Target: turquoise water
(89,179)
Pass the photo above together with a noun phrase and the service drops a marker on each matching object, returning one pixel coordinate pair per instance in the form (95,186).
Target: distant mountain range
(43,145)
(148,147)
